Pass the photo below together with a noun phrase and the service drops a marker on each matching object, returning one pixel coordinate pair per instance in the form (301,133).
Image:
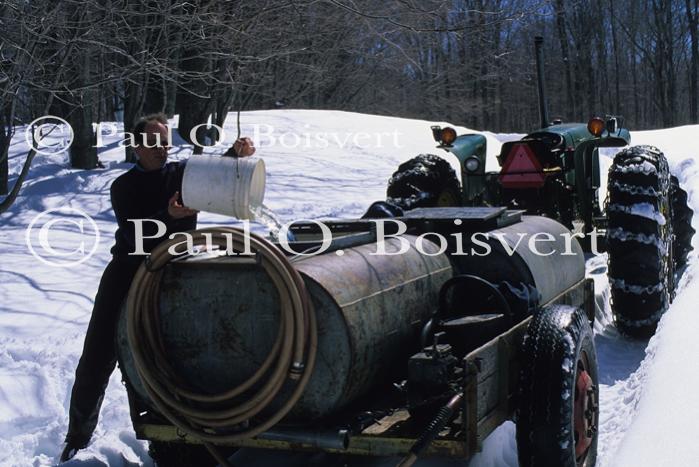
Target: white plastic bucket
(224,185)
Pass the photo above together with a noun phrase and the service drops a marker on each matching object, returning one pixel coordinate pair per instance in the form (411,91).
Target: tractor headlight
(472,164)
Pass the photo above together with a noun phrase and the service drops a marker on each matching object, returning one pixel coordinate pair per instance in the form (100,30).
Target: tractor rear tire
(639,239)
(681,226)
(424,181)
(558,405)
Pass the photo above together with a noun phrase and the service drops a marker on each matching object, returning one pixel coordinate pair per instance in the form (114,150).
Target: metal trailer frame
(490,390)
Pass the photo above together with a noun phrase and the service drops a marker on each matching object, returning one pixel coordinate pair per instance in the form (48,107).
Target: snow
(645,168)
(646,389)
(646,210)
(667,412)
(625,235)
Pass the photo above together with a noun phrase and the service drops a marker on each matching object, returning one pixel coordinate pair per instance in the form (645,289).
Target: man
(149,190)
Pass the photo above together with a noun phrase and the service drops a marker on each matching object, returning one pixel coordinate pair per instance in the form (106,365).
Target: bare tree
(692,9)
(469,61)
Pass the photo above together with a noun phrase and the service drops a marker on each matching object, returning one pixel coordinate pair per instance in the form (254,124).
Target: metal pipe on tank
(318,439)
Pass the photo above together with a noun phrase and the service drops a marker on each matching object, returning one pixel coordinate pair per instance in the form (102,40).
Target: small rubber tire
(426,180)
(557,347)
(639,239)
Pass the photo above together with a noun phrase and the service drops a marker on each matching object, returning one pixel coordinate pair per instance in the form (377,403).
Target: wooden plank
(470,413)
(489,423)
(491,389)
(574,296)
(494,384)
(488,393)
(387,422)
(358,445)
(487,360)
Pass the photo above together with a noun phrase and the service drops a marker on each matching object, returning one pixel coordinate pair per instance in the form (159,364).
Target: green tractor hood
(575,134)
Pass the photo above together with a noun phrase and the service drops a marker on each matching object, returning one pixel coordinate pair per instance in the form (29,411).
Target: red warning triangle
(522,169)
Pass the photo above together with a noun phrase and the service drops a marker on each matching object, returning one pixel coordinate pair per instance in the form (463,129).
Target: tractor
(644,224)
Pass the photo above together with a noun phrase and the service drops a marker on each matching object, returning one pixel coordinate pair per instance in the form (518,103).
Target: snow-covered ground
(646,388)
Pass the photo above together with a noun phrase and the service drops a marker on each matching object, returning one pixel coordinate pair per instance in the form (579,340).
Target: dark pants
(99,351)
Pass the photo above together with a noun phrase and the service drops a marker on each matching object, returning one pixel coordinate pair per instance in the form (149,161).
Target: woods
(470,62)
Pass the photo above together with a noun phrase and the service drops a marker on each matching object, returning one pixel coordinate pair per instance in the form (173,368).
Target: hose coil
(234,414)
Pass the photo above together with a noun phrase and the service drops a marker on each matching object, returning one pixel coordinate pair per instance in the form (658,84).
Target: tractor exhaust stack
(543,108)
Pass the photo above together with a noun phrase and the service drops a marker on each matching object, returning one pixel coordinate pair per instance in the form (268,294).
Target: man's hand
(177,210)
(242,147)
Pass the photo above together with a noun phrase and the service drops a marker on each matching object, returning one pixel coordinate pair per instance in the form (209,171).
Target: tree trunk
(669,33)
(132,110)
(194,108)
(83,151)
(7,130)
(617,105)
(80,111)
(559,9)
(692,11)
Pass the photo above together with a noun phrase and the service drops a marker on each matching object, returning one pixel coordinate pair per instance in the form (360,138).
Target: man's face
(153,154)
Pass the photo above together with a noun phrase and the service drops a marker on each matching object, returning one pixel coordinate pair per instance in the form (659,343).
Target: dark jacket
(140,194)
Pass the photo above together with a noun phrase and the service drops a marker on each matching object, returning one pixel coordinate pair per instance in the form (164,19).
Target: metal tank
(559,266)
(219,318)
